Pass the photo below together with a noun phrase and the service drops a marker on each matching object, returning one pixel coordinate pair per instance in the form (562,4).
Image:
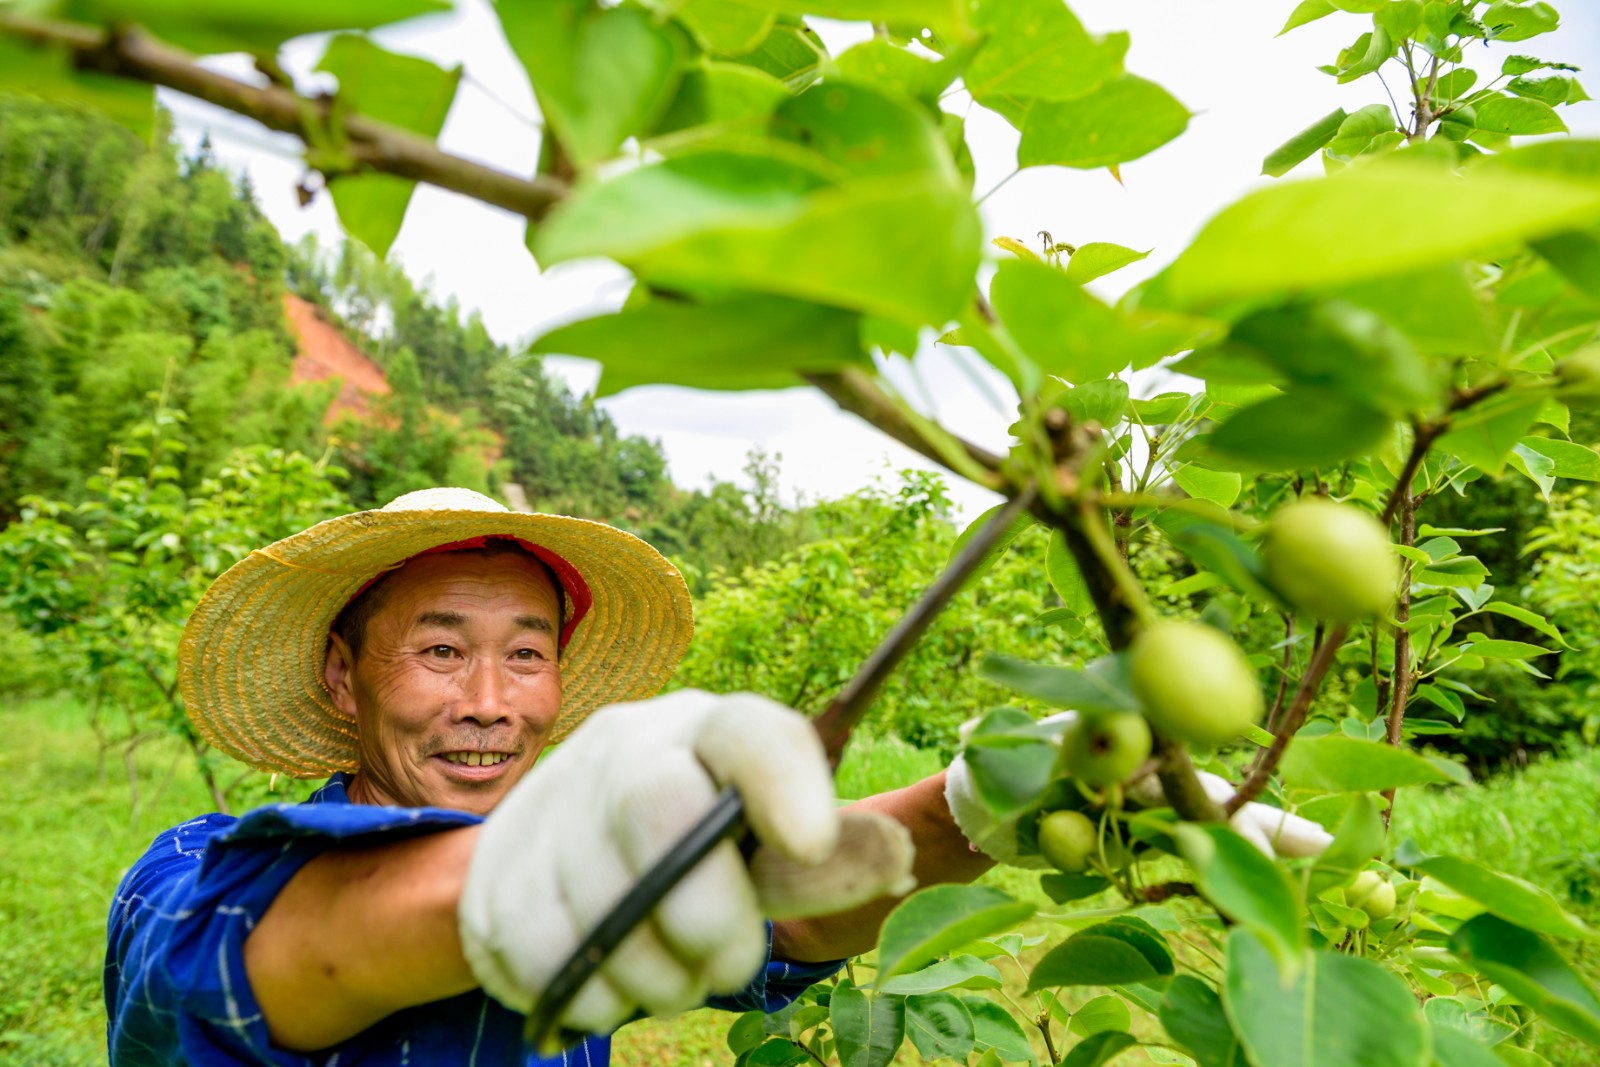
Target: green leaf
(1102,686)
(777,1052)
(1577,256)
(402,91)
(793,54)
(1062,571)
(1244,885)
(1489,648)
(1338,764)
(1331,344)
(1098,1050)
(1039,49)
(1528,618)
(717,99)
(1307,11)
(1108,953)
(932,921)
(957,972)
(1452,1048)
(1553,89)
(746,342)
(942,16)
(1509,897)
(865,133)
(1296,235)
(940,1026)
(1163,409)
(1011,777)
(994,1029)
(868,1028)
(1065,888)
(746,1032)
(258,26)
(51,72)
(1062,328)
(1572,460)
(1402,18)
(1371,51)
(1485,435)
(1301,146)
(696,221)
(1099,258)
(1437,308)
(1518,116)
(1339,1011)
(725,27)
(1510,21)
(1101,1014)
(1123,119)
(1102,402)
(882,64)
(1300,429)
(1192,1013)
(1532,971)
(1359,838)
(1358,130)
(1214,547)
(1019,525)
(600,76)
(1220,487)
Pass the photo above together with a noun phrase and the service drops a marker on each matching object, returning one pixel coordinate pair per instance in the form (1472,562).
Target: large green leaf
(725,27)
(1485,435)
(1244,885)
(1062,328)
(1339,1011)
(995,1029)
(1301,146)
(1298,234)
(1102,686)
(1518,116)
(1533,971)
(1300,429)
(747,342)
(51,72)
(868,1029)
(1572,460)
(717,100)
(600,75)
(1192,1013)
(940,1026)
(1107,1012)
(1359,838)
(1019,525)
(1331,344)
(1098,1049)
(1220,487)
(1437,307)
(957,972)
(246,25)
(902,247)
(1505,895)
(1307,11)
(866,133)
(1106,954)
(1577,256)
(1452,1048)
(1039,49)
(403,91)
(1339,764)
(880,63)
(1061,569)
(931,922)
(1123,119)
(1099,258)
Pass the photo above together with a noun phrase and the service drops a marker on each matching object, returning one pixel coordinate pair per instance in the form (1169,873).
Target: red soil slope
(325,353)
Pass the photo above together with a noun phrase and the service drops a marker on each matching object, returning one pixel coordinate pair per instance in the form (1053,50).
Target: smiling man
(422,657)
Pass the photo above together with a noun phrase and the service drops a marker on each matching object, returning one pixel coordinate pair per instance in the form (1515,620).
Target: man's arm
(943,855)
(359,933)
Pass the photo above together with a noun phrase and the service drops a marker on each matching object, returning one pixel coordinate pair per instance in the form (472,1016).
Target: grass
(67,836)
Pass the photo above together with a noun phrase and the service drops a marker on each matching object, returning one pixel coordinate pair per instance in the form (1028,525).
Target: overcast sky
(1249,92)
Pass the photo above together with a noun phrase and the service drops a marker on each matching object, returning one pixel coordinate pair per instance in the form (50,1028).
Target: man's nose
(483,693)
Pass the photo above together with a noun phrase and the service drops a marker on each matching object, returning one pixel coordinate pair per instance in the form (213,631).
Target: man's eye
(441,652)
(526,654)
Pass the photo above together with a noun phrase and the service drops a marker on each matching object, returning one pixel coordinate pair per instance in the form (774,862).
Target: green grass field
(66,837)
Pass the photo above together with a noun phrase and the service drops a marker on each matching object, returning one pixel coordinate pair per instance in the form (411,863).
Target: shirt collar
(333,791)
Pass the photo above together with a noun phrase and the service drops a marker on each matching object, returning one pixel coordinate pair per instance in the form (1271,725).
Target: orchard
(1411,326)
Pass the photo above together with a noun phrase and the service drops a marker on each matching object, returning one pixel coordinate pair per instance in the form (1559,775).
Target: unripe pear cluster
(1194,683)
(1067,839)
(1372,894)
(1103,749)
(1332,561)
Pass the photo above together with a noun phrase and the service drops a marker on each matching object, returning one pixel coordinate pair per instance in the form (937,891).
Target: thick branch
(136,55)
(1310,682)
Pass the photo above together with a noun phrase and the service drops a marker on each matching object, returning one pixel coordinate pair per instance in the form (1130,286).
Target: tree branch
(134,54)
(1310,682)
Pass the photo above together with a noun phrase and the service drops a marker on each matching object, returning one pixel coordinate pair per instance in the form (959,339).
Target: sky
(1249,91)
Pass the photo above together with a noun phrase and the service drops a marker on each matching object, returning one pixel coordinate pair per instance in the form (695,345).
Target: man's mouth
(476,759)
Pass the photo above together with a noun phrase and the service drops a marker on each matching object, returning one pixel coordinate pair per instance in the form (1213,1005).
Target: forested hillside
(136,280)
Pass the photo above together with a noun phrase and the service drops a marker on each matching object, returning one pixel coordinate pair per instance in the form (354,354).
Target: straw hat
(251,658)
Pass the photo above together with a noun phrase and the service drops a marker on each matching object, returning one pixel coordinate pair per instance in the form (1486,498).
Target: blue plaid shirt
(176,990)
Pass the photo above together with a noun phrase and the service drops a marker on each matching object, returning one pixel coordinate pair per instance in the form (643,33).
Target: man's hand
(569,840)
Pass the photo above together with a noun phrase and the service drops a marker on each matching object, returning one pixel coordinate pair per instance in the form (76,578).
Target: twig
(1167,890)
(1042,1021)
(1310,682)
(135,54)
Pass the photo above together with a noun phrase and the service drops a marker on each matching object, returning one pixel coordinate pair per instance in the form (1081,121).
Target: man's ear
(336,675)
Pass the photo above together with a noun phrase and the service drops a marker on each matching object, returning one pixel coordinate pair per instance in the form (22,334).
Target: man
(425,655)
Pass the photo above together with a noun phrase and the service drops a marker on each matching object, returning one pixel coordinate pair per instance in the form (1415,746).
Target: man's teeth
(476,759)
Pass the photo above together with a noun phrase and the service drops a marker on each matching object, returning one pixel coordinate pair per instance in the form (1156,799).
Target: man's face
(458,666)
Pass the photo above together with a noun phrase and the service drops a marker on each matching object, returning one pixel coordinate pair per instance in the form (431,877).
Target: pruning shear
(726,816)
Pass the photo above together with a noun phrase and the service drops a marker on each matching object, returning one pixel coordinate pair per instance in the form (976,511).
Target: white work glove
(569,840)
(1274,831)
